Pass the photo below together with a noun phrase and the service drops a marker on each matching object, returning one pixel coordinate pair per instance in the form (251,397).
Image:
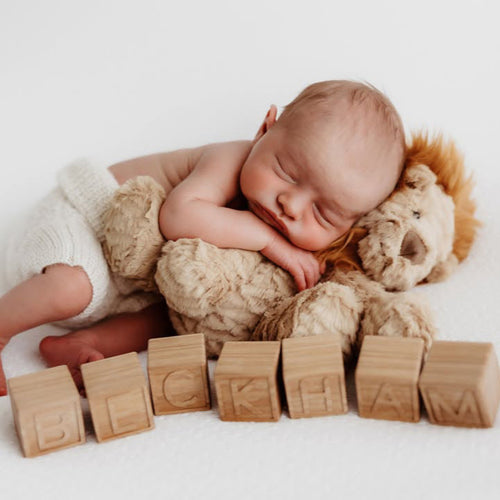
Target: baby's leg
(59,293)
(112,336)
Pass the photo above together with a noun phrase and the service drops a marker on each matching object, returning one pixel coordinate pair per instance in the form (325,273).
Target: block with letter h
(118,396)
(246,382)
(178,374)
(313,374)
(47,411)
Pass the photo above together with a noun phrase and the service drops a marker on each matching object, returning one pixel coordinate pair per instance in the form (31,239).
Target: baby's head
(334,154)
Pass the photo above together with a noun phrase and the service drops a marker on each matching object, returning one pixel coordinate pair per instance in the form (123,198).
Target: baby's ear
(418,177)
(268,122)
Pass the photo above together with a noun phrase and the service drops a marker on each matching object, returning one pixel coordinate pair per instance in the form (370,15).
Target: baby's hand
(301,264)
(305,269)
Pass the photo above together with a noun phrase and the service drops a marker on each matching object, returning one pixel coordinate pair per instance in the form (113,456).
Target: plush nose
(413,248)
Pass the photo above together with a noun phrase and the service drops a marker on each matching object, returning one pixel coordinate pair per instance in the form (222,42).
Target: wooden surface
(178,376)
(313,375)
(246,381)
(47,411)
(118,396)
(386,378)
(460,384)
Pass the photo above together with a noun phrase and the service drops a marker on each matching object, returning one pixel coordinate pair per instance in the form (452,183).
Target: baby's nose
(292,204)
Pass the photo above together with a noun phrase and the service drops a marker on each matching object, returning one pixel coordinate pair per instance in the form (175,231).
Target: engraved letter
(386,398)
(185,388)
(127,412)
(253,389)
(444,412)
(55,428)
(307,394)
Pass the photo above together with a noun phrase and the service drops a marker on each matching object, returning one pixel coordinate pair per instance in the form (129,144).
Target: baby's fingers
(311,273)
(311,279)
(300,280)
(322,267)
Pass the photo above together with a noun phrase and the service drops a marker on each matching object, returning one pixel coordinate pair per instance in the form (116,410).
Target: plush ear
(442,270)
(418,177)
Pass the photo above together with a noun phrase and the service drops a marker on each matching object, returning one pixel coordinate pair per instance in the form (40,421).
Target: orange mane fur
(447,163)
(444,159)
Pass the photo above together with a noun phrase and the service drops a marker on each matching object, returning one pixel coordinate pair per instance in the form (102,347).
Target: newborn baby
(334,154)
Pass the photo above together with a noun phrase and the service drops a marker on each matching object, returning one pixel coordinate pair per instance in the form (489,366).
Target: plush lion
(419,234)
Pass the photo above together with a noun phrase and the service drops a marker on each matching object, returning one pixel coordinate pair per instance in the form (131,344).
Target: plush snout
(413,248)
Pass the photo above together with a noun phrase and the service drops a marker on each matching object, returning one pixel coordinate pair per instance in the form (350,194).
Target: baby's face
(312,185)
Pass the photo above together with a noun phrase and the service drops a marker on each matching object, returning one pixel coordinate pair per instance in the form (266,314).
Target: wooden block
(460,384)
(246,382)
(386,378)
(118,396)
(47,411)
(313,373)
(178,374)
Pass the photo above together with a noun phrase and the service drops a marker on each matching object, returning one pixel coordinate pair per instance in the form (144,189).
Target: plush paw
(325,308)
(219,292)
(197,278)
(132,239)
(398,315)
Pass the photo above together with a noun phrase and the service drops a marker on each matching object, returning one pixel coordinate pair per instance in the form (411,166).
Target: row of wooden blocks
(459,384)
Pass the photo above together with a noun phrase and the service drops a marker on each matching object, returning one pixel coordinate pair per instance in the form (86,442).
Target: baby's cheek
(263,181)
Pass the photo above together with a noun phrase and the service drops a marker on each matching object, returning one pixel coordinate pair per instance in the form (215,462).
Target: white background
(116,79)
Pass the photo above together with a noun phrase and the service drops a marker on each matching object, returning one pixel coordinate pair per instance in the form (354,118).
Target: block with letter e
(460,384)
(246,382)
(118,396)
(178,375)
(313,374)
(47,411)
(386,378)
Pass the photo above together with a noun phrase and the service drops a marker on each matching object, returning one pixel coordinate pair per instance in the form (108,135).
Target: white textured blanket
(117,80)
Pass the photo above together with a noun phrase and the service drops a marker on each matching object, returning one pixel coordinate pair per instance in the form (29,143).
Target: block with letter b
(47,411)
(313,373)
(386,378)
(460,384)
(118,396)
(178,375)
(246,382)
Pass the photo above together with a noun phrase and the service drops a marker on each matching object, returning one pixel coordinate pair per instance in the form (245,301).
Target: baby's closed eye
(283,173)
(321,217)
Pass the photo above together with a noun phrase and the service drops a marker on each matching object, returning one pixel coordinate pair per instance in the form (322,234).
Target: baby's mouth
(269,217)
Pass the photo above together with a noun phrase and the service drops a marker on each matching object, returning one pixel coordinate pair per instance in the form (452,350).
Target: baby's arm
(196,208)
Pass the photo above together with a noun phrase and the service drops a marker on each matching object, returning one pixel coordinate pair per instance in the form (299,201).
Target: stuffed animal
(419,234)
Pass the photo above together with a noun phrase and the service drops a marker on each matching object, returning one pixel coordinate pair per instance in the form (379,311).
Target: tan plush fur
(420,233)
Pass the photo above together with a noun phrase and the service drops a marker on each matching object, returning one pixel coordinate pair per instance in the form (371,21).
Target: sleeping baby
(335,153)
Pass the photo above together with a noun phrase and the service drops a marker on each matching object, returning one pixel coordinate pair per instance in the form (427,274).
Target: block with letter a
(386,378)
(118,396)
(47,411)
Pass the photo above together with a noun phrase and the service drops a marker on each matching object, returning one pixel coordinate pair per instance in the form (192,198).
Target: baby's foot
(69,351)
